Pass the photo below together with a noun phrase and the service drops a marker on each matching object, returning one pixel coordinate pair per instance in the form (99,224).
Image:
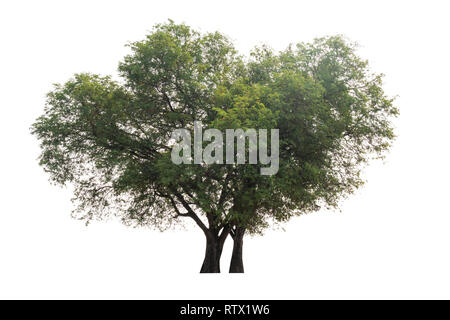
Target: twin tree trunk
(214,247)
(237,265)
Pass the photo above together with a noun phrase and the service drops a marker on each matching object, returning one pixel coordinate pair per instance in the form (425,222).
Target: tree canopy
(110,139)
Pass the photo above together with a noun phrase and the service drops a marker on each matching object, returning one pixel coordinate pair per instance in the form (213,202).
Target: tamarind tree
(111,139)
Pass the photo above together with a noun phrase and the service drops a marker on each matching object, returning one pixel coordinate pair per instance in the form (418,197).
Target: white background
(391,239)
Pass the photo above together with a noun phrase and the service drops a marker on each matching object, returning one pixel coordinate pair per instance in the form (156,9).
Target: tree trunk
(237,265)
(211,263)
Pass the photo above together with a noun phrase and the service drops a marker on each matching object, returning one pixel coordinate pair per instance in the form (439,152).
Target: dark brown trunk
(237,265)
(211,263)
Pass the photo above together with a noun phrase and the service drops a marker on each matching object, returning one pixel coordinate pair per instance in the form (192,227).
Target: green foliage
(110,139)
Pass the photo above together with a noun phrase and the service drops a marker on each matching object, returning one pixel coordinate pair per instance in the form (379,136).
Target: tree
(112,141)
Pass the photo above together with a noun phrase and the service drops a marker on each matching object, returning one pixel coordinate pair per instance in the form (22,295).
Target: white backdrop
(391,239)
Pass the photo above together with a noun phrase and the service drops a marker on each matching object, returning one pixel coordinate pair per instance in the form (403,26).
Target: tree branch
(191,213)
